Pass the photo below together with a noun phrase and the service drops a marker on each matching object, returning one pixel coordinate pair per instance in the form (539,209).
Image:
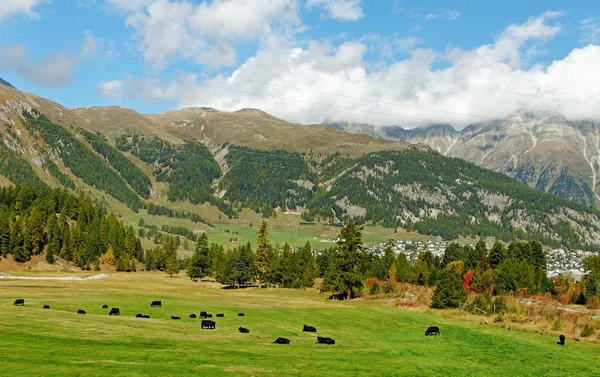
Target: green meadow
(373,338)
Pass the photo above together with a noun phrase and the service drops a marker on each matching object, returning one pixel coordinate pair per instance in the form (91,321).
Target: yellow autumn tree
(392,274)
(109,256)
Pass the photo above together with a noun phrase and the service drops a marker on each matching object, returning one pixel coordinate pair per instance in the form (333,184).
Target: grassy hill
(373,338)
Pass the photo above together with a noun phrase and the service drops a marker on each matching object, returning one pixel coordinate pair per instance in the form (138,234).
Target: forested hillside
(35,220)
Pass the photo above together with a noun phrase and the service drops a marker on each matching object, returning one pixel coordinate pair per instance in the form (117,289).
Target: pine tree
(172,266)
(308,266)
(200,265)
(290,266)
(497,255)
(392,273)
(344,273)
(109,257)
(449,292)
(263,250)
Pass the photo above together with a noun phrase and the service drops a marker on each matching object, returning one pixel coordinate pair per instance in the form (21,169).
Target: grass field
(373,338)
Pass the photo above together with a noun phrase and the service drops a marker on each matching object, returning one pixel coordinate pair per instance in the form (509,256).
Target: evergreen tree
(263,252)
(308,266)
(591,285)
(290,267)
(449,292)
(405,271)
(497,255)
(172,266)
(200,265)
(344,273)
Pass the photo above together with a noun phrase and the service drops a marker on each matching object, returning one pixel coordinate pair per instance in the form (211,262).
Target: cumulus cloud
(167,29)
(25,7)
(298,86)
(347,10)
(53,69)
(111,89)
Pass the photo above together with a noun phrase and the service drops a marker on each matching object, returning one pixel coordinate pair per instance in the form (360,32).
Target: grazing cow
(173,317)
(208,324)
(81,311)
(193,316)
(241,314)
(562,340)
(156,304)
(321,340)
(104,306)
(19,302)
(46,306)
(115,311)
(209,315)
(281,341)
(139,315)
(146,316)
(309,329)
(243,330)
(221,315)
(432,330)
(203,315)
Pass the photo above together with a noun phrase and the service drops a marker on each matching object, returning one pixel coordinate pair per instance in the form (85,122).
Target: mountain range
(544,151)
(190,162)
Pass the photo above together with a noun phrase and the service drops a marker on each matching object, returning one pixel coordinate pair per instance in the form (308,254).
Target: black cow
(156,304)
(46,306)
(321,340)
(281,341)
(221,315)
(105,306)
(80,311)
(243,330)
(203,315)
(209,315)
(115,311)
(562,340)
(139,315)
(19,302)
(193,316)
(207,324)
(173,317)
(432,330)
(309,329)
(146,316)
(241,314)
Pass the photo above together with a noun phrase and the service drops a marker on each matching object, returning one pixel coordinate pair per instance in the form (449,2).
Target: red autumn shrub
(467,278)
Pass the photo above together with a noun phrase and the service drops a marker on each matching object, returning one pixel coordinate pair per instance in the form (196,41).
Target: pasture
(373,338)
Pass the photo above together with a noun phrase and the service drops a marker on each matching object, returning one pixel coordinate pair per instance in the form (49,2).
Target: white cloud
(169,29)
(25,7)
(590,30)
(451,14)
(347,10)
(111,89)
(298,85)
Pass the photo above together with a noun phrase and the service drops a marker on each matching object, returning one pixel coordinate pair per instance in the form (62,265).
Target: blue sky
(384,62)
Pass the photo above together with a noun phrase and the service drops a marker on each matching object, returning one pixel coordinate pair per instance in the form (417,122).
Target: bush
(374,289)
(557,325)
(483,301)
(388,288)
(500,304)
(588,330)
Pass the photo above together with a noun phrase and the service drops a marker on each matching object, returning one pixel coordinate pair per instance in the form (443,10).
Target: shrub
(588,330)
(499,318)
(388,287)
(374,289)
(500,304)
(557,325)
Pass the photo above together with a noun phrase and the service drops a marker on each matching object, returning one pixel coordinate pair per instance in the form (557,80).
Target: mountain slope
(547,152)
(174,163)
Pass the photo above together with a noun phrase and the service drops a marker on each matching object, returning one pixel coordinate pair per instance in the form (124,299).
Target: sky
(395,62)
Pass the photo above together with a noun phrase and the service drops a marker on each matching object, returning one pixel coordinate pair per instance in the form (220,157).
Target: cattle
(139,315)
(208,324)
(156,304)
(562,340)
(321,340)
(209,315)
(46,306)
(115,311)
(432,330)
(146,316)
(220,315)
(105,306)
(281,341)
(19,302)
(203,315)
(173,317)
(193,316)
(80,311)
(243,330)
(309,329)
(241,314)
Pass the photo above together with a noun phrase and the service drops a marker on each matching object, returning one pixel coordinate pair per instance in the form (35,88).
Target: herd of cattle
(204,324)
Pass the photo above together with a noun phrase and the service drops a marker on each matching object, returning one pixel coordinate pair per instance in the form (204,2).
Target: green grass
(373,338)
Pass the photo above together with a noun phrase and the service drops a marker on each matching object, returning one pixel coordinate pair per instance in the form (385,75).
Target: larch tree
(263,251)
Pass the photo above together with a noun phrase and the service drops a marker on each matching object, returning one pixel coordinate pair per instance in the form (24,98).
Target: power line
(237,77)
(219,88)
(285,53)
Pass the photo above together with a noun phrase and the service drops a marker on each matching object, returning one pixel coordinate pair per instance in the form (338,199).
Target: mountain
(187,163)
(544,151)
(5,83)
